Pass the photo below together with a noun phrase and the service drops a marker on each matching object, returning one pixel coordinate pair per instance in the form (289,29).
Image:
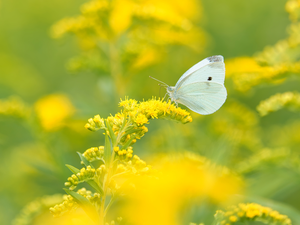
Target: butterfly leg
(165,96)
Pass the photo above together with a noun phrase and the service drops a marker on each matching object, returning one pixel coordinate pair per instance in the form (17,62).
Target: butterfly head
(170,89)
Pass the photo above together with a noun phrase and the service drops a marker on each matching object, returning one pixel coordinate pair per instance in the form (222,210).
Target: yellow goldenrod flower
(263,156)
(139,29)
(135,115)
(176,177)
(99,121)
(36,207)
(141,119)
(293,8)
(89,127)
(239,124)
(246,72)
(53,110)
(233,219)
(279,101)
(253,212)
(14,106)
(121,15)
(94,153)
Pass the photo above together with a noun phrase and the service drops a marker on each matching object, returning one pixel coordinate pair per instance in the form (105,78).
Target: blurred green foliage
(265,150)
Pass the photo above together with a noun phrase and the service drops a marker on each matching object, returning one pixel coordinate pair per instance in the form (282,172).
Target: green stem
(115,69)
(108,177)
(109,205)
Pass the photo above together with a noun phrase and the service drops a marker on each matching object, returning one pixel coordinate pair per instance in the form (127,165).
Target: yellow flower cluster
(251,212)
(52,111)
(293,8)
(273,63)
(176,177)
(121,13)
(261,158)
(278,101)
(32,209)
(84,174)
(246,72)
(287,135)
(239,124)
(94,153)
(129,124)
(14,106)
(146,24)
(129,163)
(69,203)
(281,56)
(284,55)
(134,166)
(153,108)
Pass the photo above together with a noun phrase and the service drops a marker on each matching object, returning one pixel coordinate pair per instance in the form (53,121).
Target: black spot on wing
(209,78)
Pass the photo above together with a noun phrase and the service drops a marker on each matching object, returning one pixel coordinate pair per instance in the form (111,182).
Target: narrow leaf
(115,165)
(111,133)
(107,150)
(84,160)
(130,131)
(124,123)
(128,142)
(73,169)
(95,186)
(85,204)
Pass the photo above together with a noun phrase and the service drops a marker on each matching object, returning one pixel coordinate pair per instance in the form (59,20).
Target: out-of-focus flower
(181,180)
(14,106)
(287,135)
(116,17)
(52,111)
(121,37)
(261,158)
(278,101)
(251,212)
(293,8)
(273,63)
(69,203)
(35,208)
(246,72)
(239,124)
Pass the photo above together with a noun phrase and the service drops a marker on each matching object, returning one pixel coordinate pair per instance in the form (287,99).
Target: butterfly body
(201,88)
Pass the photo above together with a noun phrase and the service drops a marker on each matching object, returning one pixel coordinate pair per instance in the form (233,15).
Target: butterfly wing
(202,97)
(209,69)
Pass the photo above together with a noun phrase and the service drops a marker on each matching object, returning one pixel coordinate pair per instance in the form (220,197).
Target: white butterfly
(201,88)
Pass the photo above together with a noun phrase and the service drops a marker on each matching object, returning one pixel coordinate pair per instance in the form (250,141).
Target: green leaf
(95,186)
(111,133)
(128,142)
(130,131)
(107,150)
(85,204)
(124,123)
(73,169)
(114,167)
(84,160)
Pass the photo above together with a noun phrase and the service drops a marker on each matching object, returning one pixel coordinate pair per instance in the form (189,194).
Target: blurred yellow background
(61,63)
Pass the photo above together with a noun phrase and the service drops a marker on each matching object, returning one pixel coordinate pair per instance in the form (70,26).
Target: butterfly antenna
(159,81)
